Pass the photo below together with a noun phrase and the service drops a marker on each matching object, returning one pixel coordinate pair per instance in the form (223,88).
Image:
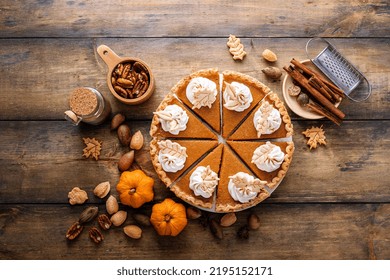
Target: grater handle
(328,44)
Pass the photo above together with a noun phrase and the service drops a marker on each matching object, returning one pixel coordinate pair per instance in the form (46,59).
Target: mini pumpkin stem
(167,218)
(132,191)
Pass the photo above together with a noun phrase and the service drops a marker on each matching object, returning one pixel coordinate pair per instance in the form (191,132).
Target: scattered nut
(141,219)
(216,229)
(74,231)
(253,221)
(95,235)
(117,120)
(112,205)
(193,213)
(77,196)
(104,221)
(124,134)
(118,218)
(228,219)
(269,55)
(272,72)
(294,90)
(137,141)
(243,232)
(133,231)
(125,161)
(102,189)
(88,214)
(303,99)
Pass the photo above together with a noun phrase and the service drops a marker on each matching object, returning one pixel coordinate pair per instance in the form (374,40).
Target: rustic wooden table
(334,201)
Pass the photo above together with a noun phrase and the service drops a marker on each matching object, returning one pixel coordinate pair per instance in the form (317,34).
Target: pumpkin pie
(171,158)
(173,119)
(269,120)
(200,92)
(240,94)
(269,161)
(233,159)
(198,186)
(251,192)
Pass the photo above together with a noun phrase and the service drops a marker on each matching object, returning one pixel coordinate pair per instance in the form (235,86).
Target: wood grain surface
(333,202)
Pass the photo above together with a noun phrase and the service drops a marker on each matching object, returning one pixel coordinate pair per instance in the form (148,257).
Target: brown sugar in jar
(87,105)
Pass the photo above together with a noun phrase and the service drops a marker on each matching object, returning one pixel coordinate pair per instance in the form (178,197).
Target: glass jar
(87,105)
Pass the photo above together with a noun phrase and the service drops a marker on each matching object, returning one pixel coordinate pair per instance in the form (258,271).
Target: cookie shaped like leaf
(236,48)
(172,148)
(92,149)
(316,136)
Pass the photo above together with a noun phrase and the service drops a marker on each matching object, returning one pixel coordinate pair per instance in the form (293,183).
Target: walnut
(77,196)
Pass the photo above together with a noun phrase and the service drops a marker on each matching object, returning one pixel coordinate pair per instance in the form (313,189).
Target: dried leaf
(92,149)
(316,136)
(172,148)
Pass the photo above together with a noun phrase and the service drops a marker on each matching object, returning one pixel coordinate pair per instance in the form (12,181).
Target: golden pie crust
(237,141)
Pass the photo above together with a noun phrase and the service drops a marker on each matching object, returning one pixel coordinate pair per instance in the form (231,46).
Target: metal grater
(338,69)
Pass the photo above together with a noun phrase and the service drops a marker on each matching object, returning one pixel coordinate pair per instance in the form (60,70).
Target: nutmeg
(272,72)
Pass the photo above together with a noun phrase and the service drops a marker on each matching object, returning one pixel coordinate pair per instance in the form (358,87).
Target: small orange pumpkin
(168,217)
(135,188)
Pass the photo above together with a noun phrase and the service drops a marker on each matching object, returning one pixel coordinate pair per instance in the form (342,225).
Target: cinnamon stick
(302,81)
(320,110)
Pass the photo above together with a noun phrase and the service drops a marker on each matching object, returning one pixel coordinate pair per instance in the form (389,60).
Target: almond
(269,55)
(137,141)
(112,205)
(118,218)
(102,189)
(228,219)
(133,231)
(126,161)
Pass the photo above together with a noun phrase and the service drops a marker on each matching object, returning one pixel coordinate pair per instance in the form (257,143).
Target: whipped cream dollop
(268,157)
(201,92)
(237,97)
(266,119)
(203,181)
(173,119)
(243,187)
(172,156)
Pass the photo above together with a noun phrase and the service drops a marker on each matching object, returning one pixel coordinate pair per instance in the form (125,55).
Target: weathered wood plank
(41,161)
(35,80)
(267,18)
(308,231)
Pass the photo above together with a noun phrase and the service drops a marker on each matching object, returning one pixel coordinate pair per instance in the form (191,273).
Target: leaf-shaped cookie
(236,48)
(174,149)
(316,136)
(92,149)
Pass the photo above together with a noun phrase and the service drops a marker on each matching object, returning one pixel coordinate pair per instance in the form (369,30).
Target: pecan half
(104,221)
(74,231)
(95,235)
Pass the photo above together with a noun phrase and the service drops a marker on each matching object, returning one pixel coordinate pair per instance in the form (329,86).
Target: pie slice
(246,149)
(247,130)
(193,151)
(230,166)
(204,89)
(231,117)
(181,122)
(182,187)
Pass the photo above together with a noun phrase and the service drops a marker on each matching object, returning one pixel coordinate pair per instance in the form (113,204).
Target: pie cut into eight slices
(221,141)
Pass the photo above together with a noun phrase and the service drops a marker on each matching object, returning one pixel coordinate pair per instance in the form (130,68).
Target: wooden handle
(109,56)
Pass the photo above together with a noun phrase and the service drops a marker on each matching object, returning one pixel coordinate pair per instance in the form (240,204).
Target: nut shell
(269,55)
(125,161)
(133,231)
(253,221)
(118,218)
(137,141)
(102,189)
(228,219)
(272,72)
(117,120)
(112,205)
(124,134)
